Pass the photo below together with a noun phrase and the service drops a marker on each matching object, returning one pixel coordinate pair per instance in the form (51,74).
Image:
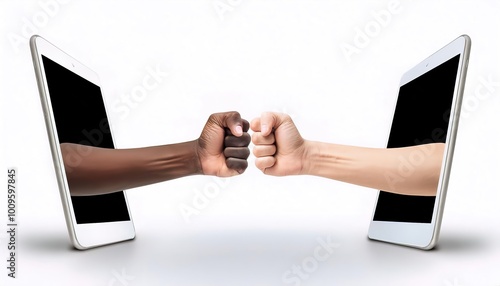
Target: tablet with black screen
(427,111)
(75,112)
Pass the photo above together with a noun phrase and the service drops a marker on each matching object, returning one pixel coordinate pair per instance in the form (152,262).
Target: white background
(259,55)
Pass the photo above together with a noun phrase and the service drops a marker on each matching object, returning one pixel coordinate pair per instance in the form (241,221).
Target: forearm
(411,170)
(92,170)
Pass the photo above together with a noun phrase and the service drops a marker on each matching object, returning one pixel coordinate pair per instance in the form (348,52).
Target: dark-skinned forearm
(92,171)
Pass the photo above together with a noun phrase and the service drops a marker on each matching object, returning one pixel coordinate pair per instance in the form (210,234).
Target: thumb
(234,122)
(270,121)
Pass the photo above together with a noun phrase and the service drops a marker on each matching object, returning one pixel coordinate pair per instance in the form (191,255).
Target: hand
(279,148)
(223,145)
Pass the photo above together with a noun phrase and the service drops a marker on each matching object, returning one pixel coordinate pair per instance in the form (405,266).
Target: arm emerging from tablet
(221,150)
(281,151)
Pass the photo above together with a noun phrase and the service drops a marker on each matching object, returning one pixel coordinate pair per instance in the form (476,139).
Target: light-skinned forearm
(411,170)
(92,170)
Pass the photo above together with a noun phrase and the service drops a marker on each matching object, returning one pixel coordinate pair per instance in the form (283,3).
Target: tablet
(75,112)
(427,111)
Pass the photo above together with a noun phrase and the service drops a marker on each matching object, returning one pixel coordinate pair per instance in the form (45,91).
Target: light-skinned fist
(279,149)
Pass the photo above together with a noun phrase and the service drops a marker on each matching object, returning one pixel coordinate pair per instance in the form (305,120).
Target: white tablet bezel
(425,235)
(83,236)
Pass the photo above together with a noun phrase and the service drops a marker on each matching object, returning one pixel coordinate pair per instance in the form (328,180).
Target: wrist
(338,162)
(197,157)
(177,160)
(311,151)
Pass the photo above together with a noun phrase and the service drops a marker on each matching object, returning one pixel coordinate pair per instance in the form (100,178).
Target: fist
(279,148)
(222,147)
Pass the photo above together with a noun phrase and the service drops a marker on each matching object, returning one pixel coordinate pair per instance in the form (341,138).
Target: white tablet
(427,111)
(75,112)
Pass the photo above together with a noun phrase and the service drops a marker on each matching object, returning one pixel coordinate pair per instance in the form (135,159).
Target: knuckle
(256,152)
(256,138)
(246,138)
